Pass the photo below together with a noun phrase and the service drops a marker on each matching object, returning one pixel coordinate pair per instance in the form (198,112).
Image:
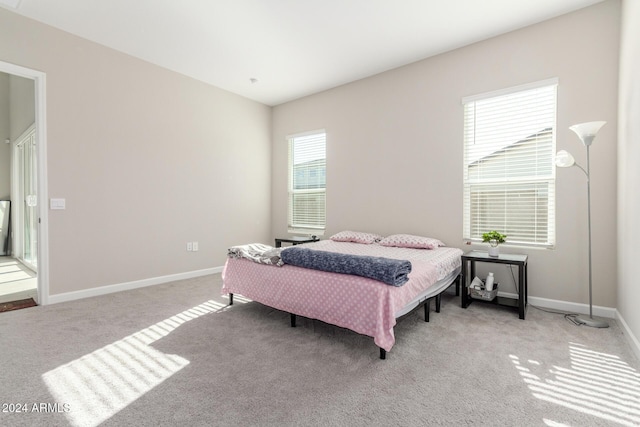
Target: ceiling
(274,51)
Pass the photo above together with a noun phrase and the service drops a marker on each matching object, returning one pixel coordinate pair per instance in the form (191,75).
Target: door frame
(39,79)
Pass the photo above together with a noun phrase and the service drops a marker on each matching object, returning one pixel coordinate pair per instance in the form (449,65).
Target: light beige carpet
(175,354)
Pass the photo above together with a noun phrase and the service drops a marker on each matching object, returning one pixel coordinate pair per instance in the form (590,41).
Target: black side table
(295,240)
(469,260)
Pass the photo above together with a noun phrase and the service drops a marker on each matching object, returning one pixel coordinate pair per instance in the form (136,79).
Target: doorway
(24,270)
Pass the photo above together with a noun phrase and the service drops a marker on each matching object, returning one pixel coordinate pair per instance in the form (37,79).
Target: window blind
(509,174)
(307,182)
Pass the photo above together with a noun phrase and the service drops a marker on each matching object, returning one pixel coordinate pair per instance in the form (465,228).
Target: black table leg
(523,291)
(463,283)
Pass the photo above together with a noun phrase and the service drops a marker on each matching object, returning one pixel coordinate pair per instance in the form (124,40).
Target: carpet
(17,305)
(177,354)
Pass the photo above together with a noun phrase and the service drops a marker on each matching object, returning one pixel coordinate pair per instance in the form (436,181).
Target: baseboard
(109,289)
(631,338)
(568,307)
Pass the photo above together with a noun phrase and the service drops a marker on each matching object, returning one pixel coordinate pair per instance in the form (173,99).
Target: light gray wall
(147,160)
(628,171)
(22,105)
(17,113)
(4,105)
(5,149)
(394,145)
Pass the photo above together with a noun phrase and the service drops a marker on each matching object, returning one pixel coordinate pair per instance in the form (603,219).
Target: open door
(26,223)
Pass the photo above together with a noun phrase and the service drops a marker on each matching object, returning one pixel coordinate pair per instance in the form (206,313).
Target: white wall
(147,160)
(394,145)
(628,170)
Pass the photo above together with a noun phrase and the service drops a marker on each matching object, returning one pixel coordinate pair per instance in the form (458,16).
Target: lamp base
(590,321)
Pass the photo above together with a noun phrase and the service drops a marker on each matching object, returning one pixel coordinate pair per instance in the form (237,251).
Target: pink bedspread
(363,305)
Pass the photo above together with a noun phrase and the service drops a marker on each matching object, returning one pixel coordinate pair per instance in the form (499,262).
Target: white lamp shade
(564,159)
(587,131)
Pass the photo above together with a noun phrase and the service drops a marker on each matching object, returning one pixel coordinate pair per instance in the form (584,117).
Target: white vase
(494,248)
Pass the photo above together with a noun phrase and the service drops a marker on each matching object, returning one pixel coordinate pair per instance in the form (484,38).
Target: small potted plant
(494,238)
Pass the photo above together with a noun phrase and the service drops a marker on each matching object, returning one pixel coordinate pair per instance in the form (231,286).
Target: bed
(361,304)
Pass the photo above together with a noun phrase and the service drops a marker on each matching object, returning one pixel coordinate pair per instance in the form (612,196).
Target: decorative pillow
(410,241)
(356,237)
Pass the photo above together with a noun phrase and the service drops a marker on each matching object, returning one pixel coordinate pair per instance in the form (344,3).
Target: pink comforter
(363,305)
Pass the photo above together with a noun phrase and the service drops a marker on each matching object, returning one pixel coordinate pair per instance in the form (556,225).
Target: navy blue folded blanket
(390,271)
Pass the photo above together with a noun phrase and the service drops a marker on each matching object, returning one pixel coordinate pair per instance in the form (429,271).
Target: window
(509,174)
(307,182)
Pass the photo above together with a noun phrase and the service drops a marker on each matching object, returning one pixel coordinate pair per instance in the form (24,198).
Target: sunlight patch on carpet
(99,384)
(596,384)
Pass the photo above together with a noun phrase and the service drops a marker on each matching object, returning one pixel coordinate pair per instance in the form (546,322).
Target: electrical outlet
(195,246)
(189,246)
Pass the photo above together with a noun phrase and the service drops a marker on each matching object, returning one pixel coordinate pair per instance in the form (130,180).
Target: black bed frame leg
(458,282)
(427,309)
(230,299)
(293,320)
(438,300)
(383,353)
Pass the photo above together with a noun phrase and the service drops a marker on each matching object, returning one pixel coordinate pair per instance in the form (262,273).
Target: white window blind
(509,174)
(307,182)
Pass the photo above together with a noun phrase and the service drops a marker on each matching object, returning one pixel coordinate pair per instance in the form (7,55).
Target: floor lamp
(586,132)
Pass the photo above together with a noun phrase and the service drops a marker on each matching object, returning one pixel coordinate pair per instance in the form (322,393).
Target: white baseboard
(565,306)
(631,338)
(103,290)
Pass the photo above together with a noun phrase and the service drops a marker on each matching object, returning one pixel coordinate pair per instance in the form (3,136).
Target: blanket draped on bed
(390,271)
(257,252)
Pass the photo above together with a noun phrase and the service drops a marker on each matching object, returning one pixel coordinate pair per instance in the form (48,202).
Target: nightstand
(295,240)
(469,260)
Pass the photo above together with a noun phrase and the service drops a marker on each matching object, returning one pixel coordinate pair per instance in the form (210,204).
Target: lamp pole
(587,132)
(589,222)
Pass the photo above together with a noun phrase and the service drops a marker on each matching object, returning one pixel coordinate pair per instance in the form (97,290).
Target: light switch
(57,203)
